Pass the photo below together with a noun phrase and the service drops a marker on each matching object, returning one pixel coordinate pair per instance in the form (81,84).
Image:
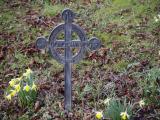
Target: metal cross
(68,27)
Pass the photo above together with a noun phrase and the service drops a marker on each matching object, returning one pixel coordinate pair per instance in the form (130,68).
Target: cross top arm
(68,43)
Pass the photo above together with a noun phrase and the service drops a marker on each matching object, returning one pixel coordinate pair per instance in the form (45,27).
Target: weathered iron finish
(68,27)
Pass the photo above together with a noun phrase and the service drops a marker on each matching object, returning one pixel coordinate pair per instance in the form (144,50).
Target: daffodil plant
(124,116)
(99,115)
(24,88)
(118,110)
(141,103)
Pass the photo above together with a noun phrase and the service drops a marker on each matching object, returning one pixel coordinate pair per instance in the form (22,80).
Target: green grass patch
(84,63)
(120,66)
(52,10)
(20,61)
(55,66)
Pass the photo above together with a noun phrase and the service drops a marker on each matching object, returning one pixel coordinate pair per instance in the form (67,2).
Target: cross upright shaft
(68,55)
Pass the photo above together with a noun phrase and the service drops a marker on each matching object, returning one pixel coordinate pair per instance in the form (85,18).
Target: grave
(68,44)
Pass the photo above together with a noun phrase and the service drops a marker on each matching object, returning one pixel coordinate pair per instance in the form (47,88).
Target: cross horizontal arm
(73,43)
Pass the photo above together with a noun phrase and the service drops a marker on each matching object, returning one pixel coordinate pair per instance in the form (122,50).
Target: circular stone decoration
(41,43)
(94,44)
(68,15)
(53,38)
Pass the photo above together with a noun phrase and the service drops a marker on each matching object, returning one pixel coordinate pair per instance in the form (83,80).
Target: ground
(125,68)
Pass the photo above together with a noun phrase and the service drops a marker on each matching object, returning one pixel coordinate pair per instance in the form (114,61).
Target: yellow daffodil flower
(34,87)
(26,88)
(12,82)
(141,103)
(17,87)
(13,93)
(124,115)
(8,97)
(99,115)
(28,72)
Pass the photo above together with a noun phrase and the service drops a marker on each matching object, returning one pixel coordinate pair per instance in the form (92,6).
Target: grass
(117,23)
(52,10)
(55,66)
(120,66)
(21,61)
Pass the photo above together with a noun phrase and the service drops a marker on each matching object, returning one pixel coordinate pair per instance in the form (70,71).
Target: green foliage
(2,2)
(150,85)
(23,117)
(2,42)
(120,66)
(115,107)
(121,3)
(6,18)
(87,89)
(55,66)
(21,60)
(115,22)
(104,37)
(23,87)
(52,10)
(29,32)
(83,63)
(27,98)
(39,59)
(155,23)
(103,16)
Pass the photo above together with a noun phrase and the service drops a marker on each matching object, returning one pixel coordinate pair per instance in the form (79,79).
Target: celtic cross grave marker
(67,44)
